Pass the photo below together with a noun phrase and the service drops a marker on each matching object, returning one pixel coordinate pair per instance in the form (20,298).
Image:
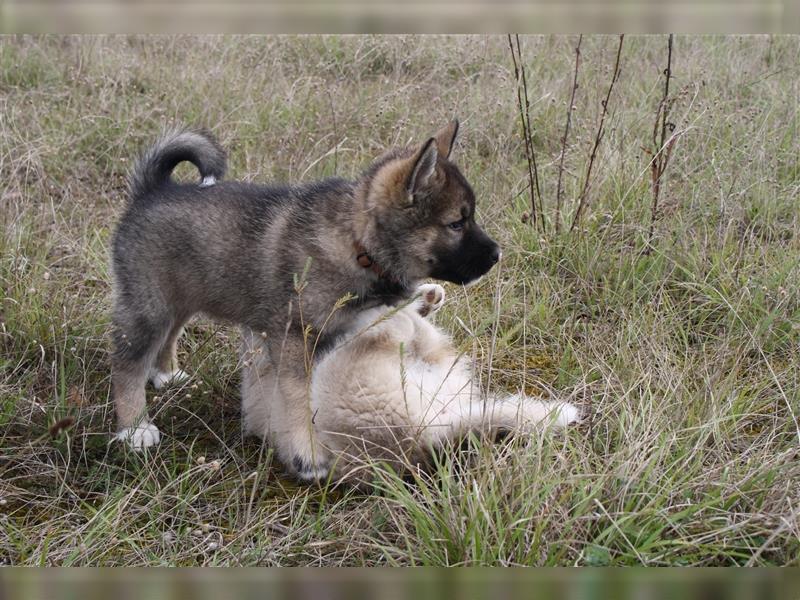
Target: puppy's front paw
(161,378)
(308,472)
(431,298)
(566,414)
(304,458)
(143,435)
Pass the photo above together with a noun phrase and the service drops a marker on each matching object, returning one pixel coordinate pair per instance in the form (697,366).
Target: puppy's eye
(457,225)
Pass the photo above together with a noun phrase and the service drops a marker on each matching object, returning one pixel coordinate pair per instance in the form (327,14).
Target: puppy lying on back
(393,389)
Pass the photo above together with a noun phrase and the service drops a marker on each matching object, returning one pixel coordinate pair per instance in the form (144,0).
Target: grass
(685,354)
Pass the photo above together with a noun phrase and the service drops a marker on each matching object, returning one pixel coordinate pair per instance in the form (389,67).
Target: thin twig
(662,153)
(560,190)
(525,128)
(597,139)
(530,135)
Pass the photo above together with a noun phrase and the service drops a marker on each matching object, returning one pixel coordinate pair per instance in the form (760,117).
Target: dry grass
(687,354)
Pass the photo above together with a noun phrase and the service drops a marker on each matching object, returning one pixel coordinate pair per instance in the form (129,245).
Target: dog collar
(365,261)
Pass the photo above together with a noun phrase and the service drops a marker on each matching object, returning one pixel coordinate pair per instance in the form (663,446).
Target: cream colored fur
(392,390)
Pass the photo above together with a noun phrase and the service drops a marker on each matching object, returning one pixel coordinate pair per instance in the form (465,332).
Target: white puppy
(394,390)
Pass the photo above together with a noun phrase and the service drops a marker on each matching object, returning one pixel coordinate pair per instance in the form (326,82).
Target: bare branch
(570,106)
(598,138)
(533,174)
(663,148)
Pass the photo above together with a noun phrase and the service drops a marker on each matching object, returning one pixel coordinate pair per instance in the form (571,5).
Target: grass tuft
(686,356)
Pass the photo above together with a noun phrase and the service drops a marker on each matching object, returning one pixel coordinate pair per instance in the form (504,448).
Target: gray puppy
(295,263)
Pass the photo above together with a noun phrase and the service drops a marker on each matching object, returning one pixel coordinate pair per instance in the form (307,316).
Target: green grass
(686,356)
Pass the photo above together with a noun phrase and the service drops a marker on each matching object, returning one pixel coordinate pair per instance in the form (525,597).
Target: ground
(683,347)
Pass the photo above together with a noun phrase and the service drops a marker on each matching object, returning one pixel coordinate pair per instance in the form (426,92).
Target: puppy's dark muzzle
(485,254)
(494,254)
(473,258)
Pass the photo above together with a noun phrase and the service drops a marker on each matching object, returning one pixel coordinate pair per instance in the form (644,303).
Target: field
(682,345)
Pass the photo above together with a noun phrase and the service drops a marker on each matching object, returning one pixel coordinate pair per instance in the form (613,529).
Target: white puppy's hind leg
(520,412)
(565,413)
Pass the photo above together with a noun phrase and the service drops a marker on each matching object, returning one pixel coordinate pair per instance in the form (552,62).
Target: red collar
(365,261)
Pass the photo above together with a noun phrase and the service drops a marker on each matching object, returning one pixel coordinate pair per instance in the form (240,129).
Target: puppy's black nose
(495,254)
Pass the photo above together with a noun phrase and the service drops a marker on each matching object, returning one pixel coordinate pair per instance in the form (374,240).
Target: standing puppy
(241,253)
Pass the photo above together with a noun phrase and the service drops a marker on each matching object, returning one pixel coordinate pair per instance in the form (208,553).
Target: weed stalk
(582,199)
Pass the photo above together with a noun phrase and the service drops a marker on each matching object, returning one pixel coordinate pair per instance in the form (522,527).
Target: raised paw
(431,298)
(143,435)
(161,378)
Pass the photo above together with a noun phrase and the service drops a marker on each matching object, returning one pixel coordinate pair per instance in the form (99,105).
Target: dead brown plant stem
(542,220)
(662,154)
(560,189)
(533,176)
(598,138)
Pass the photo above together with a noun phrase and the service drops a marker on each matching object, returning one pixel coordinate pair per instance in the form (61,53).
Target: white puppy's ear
(446,138)
(424,165)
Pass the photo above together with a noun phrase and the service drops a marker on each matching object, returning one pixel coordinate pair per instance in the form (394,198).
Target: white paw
(143,435)
(567,413)
(431,298)
(312,475)
(307,472)
(161,378)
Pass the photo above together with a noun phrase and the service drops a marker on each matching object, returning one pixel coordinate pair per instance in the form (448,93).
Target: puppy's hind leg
(512,413)
(519,411)
(166,368)
(136,343)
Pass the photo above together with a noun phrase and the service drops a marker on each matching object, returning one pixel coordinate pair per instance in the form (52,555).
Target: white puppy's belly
(441,391)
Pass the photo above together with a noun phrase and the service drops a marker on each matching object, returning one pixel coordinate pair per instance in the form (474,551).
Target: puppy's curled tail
(155,166)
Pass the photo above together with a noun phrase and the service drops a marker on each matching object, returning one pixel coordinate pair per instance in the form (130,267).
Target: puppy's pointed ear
(424,165)
(446,138)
